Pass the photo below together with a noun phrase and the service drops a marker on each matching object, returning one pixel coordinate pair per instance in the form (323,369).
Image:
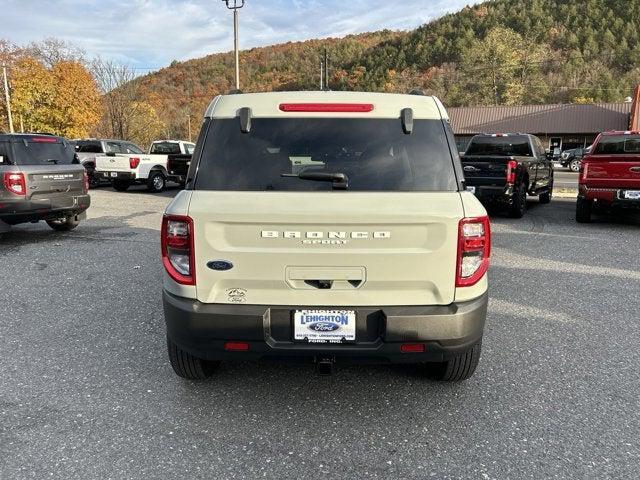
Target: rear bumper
(22,211)
(203,329)
(116,175)
(494,194)
(608,196)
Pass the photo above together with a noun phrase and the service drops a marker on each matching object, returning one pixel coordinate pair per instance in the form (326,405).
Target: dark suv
(42,179)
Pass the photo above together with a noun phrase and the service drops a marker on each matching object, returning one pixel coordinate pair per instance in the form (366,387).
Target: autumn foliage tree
(59,97)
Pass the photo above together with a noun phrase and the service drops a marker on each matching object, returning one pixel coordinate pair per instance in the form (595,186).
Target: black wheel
(156,182)
(187,366)
(461,367)
(121,185)
(574,166)
(584,209)
(64,224)
(519,202)
(94,181)
(545,198)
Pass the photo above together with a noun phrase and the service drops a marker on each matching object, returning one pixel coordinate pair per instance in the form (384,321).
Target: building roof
(541,119)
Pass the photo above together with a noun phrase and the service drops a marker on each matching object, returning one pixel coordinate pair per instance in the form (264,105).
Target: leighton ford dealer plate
(324,326)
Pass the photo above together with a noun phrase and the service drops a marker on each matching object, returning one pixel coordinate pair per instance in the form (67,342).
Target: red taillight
(512,166)
(412,348)
(85,181)
(474,250)
(134,162)
(327,107)
(15,183)
(236,346)
(43,140)
(178,255)
(584,171)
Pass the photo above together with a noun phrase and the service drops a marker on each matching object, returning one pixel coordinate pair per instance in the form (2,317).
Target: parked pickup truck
(90,148)
(42,179)
(168,160)
(505,168)
(610,175)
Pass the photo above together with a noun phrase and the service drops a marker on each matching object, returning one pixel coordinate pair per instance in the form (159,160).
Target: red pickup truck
(610,174)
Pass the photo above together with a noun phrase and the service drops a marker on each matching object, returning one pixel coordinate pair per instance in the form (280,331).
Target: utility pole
(189,117)
(235,5)
(7,97)
(326,69)
(321,75)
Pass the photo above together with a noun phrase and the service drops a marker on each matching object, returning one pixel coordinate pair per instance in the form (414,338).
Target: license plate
(471,189)
(114,174)
(631,194)
(324,326)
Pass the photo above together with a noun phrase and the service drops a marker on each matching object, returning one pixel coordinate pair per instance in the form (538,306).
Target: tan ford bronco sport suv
(326,227)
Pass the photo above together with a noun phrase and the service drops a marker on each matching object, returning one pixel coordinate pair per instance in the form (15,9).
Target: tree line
(501,52)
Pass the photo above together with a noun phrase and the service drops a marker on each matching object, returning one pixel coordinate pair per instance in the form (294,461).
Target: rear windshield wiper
(339,180)
(52,160)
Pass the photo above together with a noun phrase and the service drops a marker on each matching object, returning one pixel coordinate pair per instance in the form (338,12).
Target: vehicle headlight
(565,155)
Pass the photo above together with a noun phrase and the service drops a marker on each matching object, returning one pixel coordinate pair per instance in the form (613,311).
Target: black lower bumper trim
(203,329)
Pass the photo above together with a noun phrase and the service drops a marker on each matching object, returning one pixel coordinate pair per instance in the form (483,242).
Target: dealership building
(558,126)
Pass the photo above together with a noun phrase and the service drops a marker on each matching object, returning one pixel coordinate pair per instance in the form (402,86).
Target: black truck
(504,168)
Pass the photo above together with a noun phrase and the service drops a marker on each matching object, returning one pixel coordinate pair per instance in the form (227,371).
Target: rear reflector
(412,348)
(236,346)
(327,107)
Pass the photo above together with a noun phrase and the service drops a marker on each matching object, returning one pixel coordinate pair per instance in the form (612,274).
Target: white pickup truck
(168,160)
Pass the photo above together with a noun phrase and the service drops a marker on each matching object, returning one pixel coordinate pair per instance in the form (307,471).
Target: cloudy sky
(152,33)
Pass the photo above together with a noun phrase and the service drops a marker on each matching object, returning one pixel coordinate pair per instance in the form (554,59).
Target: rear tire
(584,210)
(519,202)
(187,366)
(156,182)
(65,224)
(545,198)
(459,368)
(121,185)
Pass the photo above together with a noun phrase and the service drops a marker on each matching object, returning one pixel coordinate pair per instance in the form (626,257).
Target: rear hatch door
(389,238)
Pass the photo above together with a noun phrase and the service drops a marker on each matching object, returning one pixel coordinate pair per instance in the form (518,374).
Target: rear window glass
(89,147)
(374,154)
(618,145)
(42,151)
(165,148)
(517,146)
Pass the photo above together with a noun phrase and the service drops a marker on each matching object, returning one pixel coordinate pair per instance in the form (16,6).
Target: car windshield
(517,146)
(374,155)
(165,148)
(42,151)
(618,145)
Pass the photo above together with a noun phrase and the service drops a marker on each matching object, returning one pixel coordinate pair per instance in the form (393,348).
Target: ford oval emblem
(324,327)
(220,265)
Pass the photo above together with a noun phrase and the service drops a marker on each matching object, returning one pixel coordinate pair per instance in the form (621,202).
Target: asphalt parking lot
(86,390)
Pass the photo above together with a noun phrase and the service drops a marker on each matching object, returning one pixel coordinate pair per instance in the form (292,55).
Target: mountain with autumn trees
(498,52)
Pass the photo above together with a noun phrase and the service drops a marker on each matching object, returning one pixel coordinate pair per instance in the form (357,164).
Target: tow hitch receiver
(325,365)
